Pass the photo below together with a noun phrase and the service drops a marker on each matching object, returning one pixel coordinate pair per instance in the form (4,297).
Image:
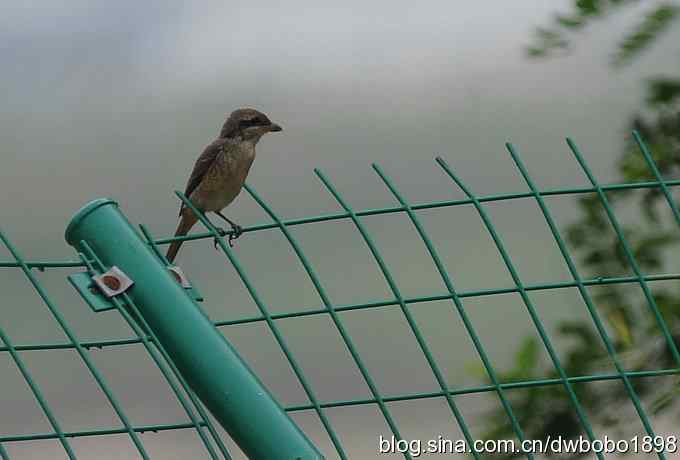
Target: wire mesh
(198,419)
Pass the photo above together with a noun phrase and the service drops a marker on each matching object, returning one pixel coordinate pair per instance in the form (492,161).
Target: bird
(221,170)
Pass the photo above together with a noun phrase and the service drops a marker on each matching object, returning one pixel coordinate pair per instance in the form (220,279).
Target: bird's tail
(186,222)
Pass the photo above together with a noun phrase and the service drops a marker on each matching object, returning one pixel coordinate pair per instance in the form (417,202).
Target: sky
(104,99)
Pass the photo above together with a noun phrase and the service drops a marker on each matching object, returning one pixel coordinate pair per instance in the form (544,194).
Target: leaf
(620,325)
(634,168)
(578,329)
(662,91)
(577,235)
(645,33)
(548,40)
(647,249)
(536,52)
(596,257)
(569,22)
(476,370)
(665,400)
(589,7)
(527,356)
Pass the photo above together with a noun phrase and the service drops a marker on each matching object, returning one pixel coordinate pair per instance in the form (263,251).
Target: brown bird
(221,171)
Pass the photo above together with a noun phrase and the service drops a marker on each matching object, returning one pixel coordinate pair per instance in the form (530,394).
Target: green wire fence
(198,419)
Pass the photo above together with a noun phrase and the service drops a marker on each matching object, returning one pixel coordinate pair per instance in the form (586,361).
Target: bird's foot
(236,231)
(222,232)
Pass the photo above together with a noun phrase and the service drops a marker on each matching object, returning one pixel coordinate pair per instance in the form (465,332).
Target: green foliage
(663,91)
(546,410)
(556,38)
(653,237)
(647,31)
(549,41)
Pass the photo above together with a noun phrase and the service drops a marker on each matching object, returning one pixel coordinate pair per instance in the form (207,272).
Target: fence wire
(198,420)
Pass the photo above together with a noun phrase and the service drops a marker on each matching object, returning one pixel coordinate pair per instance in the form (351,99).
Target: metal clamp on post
(98,290)
(113,282)
(183,281)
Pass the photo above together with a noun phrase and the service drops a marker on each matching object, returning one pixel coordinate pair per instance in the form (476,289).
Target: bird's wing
(202,165)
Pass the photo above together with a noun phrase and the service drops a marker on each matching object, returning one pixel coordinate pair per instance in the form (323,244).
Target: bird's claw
(236,231)
(221,232)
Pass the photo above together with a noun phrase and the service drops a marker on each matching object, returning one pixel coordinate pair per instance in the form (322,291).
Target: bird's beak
(275,128)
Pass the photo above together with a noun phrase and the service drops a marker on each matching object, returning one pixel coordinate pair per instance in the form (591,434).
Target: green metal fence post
(210,365)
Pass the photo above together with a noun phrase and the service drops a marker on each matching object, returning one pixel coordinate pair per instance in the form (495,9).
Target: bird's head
(248,124)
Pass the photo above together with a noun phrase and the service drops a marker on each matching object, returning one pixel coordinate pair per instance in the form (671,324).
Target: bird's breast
(225,179)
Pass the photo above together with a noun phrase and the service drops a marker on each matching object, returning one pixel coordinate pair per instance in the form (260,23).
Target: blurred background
(104,99)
